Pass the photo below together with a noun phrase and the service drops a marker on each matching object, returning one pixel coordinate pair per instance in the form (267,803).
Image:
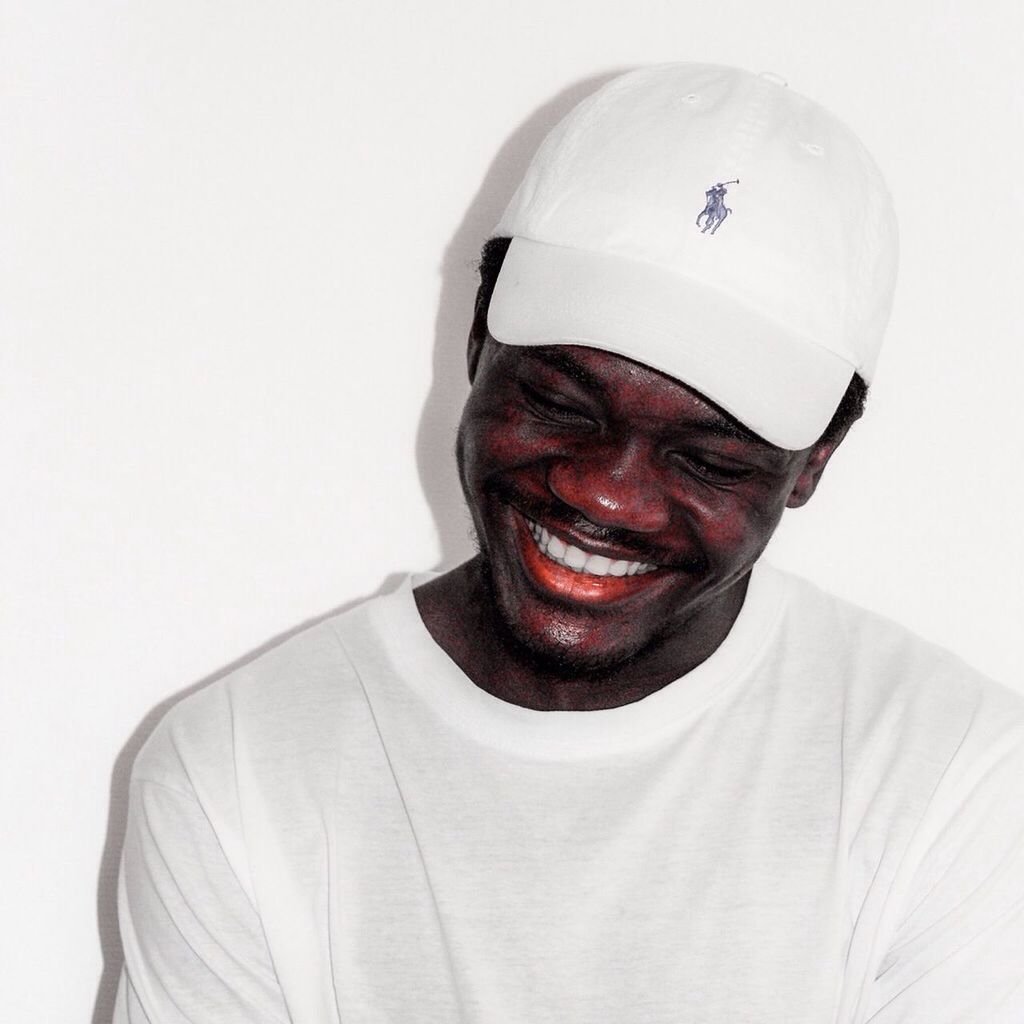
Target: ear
(807,482)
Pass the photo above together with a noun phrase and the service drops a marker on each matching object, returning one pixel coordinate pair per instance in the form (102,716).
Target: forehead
(635,388)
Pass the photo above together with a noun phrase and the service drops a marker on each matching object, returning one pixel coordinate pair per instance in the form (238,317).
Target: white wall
(237,244)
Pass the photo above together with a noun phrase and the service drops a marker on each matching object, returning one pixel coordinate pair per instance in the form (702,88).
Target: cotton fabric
(715,225)
(822,822)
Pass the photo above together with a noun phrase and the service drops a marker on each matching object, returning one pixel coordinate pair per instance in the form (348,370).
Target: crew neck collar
(426,668)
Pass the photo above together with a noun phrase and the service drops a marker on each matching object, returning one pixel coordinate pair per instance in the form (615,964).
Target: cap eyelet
(691,98)
(814,149)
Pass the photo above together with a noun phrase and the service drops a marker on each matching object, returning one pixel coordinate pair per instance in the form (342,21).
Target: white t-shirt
(823,822)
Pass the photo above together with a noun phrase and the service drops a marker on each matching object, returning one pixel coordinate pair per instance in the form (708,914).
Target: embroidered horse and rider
(715,210)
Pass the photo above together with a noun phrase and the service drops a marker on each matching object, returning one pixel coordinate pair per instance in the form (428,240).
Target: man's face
(611,503)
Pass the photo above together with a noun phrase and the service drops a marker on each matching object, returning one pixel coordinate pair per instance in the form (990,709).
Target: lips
(569,582)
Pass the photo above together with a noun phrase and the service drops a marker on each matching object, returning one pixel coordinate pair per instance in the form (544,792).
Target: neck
(459,612)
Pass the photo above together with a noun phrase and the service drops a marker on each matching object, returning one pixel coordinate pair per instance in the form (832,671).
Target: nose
(612,486)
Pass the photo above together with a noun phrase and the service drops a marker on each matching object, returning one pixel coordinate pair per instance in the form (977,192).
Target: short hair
(849,410)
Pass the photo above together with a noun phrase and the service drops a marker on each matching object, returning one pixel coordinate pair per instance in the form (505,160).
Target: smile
(570,573)
(580,561)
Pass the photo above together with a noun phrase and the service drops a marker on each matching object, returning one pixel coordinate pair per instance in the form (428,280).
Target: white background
(238,244)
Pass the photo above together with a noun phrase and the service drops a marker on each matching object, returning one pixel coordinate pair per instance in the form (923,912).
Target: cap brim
(783,387)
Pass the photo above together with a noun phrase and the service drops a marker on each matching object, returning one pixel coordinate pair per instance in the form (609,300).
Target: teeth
(574,557)
(581,561)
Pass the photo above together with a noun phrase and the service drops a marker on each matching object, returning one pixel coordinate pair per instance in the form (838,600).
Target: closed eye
(551,409)
(711,471)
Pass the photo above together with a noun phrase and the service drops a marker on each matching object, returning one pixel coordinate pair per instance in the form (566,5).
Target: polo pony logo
(715,210)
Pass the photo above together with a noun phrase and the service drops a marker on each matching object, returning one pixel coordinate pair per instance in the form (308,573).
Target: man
(614,767)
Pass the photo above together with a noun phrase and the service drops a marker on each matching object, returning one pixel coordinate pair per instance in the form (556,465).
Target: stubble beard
(548,657)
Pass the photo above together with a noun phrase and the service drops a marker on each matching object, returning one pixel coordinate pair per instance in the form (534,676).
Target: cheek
(731,524)
(501,438)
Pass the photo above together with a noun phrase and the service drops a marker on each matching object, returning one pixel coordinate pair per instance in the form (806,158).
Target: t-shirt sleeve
(193,941)
(957,955)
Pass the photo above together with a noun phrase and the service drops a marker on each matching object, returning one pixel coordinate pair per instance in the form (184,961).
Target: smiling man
(619,514)
(614,768)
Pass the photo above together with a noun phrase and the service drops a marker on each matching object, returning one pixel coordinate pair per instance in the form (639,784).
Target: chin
(563,644)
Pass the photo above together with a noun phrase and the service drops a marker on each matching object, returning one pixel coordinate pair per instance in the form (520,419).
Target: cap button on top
(770,76)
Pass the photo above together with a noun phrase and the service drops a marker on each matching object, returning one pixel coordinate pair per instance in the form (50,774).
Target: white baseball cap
(716,226)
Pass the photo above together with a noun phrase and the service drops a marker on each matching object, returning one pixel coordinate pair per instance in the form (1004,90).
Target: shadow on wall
(435,460)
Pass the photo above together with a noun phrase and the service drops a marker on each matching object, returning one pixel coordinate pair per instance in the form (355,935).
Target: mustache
(555,513)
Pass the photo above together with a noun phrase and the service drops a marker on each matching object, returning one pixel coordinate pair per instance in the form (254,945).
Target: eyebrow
(558,359)
(733,431)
